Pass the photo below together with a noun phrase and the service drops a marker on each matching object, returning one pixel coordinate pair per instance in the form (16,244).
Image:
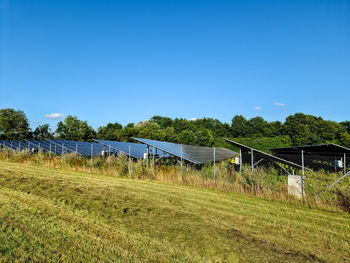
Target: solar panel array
(194,154)
(15,145)
(82,148)
(137,150)
(48,146)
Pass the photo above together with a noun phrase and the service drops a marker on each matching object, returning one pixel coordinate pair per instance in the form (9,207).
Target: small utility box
(296,186)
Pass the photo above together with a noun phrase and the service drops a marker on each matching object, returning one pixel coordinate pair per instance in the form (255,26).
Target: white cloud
(257,108)
(193,119)
(54,116)
(280,104)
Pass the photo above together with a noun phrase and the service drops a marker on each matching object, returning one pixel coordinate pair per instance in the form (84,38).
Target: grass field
(53,215)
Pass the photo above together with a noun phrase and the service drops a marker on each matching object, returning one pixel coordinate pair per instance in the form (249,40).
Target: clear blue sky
(125,61)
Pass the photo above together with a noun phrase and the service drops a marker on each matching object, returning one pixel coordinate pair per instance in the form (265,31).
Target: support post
(50,150)
(62,149)
(252,158)
(129,159)
(344,163)
(181,158)
(240,160)
(19,146)
(76,148)
(153,156)
(109,156)
(302,163)
(92,150)
(214,164)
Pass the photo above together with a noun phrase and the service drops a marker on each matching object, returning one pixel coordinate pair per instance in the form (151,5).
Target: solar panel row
(194,154)
(15,145)
(48,146)
(81,148)
(136,150)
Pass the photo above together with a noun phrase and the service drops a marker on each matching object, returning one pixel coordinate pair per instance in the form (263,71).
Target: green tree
(257,126)
(170,135)
(163,122)
(74,129)
(109,132)
(42,132)
(187,137)
(183,124)
(203,137)
(345,139)
(302,129)
(13,125)
(275,128)
(239,126)
(346,125)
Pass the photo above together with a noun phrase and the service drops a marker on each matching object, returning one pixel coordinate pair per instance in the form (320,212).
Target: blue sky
(125,61)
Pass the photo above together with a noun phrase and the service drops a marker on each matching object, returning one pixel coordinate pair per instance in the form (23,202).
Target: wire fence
(319,171)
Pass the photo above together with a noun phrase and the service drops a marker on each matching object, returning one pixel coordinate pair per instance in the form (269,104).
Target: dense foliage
(14,125)
(296,130)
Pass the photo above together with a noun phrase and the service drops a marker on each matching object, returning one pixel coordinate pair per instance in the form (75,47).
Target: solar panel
(15,145)
(82,148)
(193,154)
(137,150)
(246,149)
(47,146)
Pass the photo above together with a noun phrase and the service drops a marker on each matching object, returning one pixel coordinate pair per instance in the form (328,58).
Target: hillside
(49,214)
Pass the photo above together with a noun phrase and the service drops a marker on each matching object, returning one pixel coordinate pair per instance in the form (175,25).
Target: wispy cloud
(193,119)
(54,116)
(257,108)
(279,104)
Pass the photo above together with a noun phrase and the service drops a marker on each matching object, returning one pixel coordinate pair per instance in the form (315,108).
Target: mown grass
(54,215)
(269,182)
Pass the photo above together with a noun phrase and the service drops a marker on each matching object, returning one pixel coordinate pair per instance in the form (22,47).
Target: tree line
(297,129)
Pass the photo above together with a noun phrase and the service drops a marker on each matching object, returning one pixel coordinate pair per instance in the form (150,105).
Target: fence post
(214,164)
(109,156)
(252,159)
(302,162)
(181,158)
(92,149)
(240,160)
(129,159)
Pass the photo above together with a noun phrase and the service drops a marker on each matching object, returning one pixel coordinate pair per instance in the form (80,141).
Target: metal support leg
(214,164)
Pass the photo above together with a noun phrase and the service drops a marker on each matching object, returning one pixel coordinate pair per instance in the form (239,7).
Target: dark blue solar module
(15,145)
(137,150)
(48,147)
(83,148)
(194,154)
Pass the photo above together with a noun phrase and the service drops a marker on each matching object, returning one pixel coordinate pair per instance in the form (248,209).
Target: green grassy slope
(49,214)
(261,143)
